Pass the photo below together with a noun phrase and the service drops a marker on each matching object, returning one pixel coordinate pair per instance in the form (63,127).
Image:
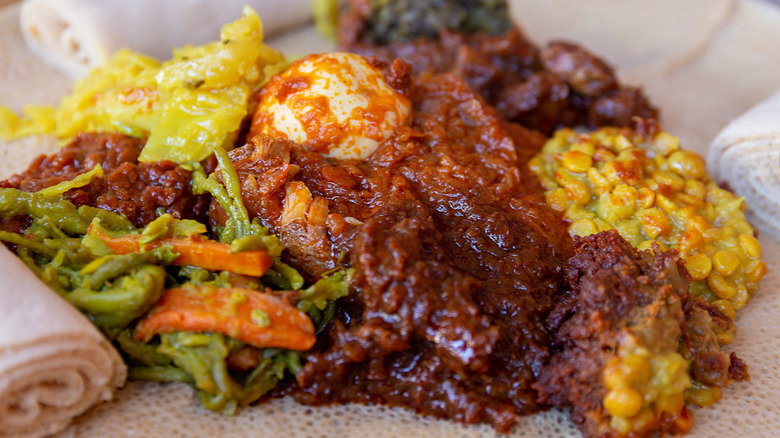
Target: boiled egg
(336,103)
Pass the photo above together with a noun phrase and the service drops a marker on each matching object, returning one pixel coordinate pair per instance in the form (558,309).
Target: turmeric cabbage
(187,106)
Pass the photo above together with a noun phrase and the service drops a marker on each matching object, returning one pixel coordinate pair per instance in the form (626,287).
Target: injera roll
(54,364)
(75,35)
(746,156)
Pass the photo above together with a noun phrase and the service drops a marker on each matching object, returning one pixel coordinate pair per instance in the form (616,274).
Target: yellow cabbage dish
(187,106)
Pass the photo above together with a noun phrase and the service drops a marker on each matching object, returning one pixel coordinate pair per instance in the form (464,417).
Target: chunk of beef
(709,364)
(136,190)
(624,302)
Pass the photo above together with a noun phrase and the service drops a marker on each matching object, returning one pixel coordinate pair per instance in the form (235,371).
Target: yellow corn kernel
(577,162)
(671,403)
(623,402)
(720,286)
(558,140)
(710,234)
(650,184)
(686,164)
(699,266)
(695,188)
(742,227)
(740,298)
(726,307)
(602,136)
(613,378)
(630,164)
(725,262)
(557,199)
(577,191)
(611,172)
(548,183)
(755,270)
(665,143)
(687,211)
(751,245)
(584,145)
(697,222)
(669,372)
(561,176)
(669,179)
(583,227)
(658,162)
(645,197)
(602,224)
(603,154)
(622,425)
(726,232)
(726,337)
(702,395)
(621,143)
(689,241)
(654,222)
(664,203)
(686,199)
(718,196)
(576,212)
(629,230)
(600,183)
(535,164)
(618,205)
(635,368)
(627,193)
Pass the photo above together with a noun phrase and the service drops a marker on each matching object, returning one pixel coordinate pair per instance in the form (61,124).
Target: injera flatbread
(746,155)
(54,364)
(146,409)
(76,35)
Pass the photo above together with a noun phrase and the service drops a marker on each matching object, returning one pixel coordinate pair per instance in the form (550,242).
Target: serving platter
(146,409)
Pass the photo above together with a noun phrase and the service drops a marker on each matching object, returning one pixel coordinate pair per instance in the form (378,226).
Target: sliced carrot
(258,319)
(193,251)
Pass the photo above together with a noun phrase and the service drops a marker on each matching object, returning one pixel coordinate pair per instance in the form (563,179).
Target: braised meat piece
(709,364)
(134,189)
(624,339)
(580,70)
(542,89)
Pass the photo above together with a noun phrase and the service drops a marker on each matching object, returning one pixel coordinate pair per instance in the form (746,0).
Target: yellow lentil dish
(653,192)
(657,196)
